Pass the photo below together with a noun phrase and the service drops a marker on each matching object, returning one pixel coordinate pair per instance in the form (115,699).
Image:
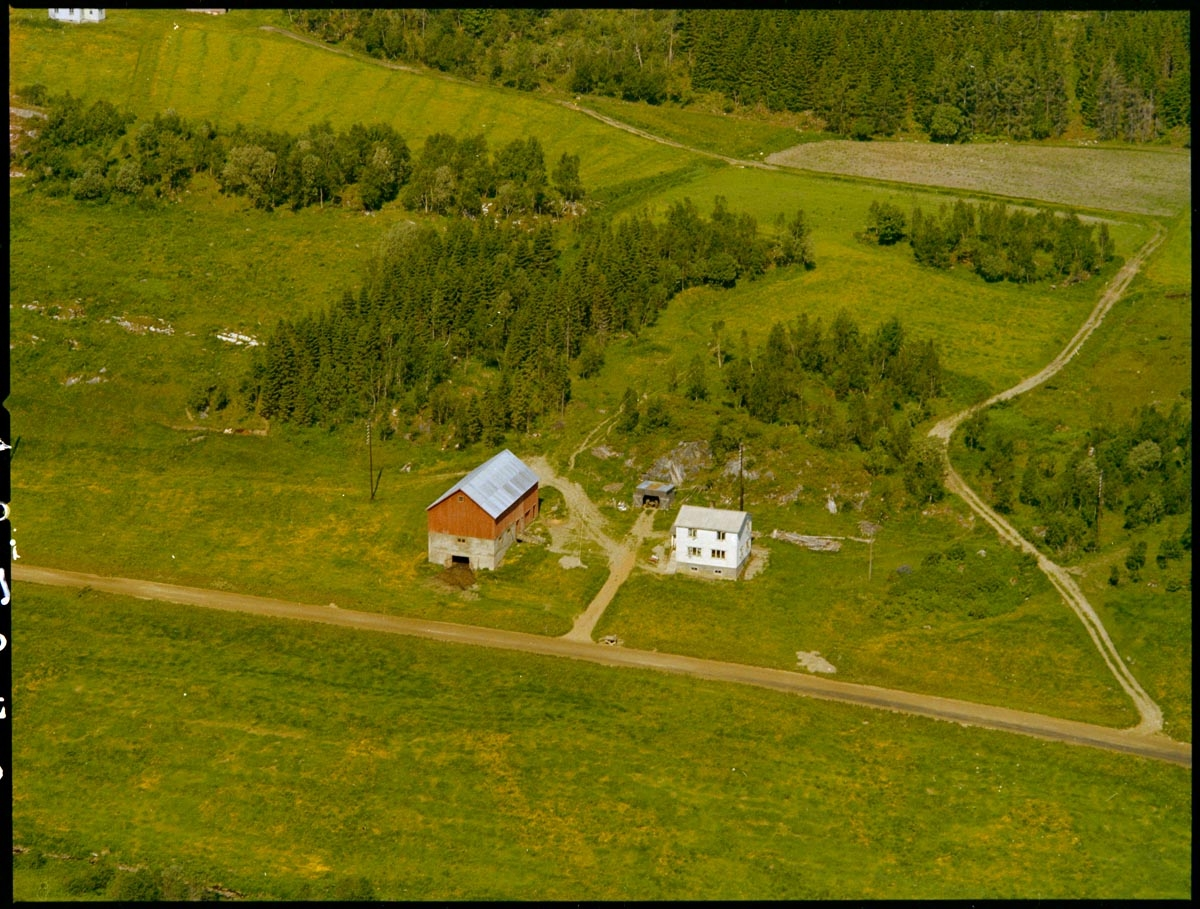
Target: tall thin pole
(370,462)
(741,478)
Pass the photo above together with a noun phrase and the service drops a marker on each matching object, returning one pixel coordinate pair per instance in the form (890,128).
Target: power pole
(370,463)
(741,478)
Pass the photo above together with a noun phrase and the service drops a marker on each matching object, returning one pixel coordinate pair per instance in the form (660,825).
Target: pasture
(226,750)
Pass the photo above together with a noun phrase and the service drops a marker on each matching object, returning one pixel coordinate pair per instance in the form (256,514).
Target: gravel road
(1136,742)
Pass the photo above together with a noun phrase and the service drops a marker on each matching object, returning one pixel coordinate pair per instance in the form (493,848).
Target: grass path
(1150,712)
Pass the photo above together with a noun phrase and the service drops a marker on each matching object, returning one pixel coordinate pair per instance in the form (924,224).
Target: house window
(694,550)
(718,553)
(720,534)
(691,533)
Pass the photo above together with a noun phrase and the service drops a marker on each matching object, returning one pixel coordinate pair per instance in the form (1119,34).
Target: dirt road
(621,555)
(1151,714)
(1155,747)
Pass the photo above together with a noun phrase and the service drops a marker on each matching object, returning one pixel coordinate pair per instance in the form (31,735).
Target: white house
(714,542)
(77,15)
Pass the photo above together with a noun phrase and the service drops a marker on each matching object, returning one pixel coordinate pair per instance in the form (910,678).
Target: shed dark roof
(495,485)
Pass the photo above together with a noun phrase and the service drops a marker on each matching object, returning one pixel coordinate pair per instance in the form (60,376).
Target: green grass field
(440,773)
(252,754)
(226,69)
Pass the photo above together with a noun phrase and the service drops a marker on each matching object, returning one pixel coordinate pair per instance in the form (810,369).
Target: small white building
(714,542)
(77,15)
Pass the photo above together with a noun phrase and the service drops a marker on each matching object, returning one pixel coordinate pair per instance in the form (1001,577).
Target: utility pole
(741,478)
(370,463)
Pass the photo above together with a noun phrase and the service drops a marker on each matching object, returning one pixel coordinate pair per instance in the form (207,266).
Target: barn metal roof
(496,484)
(693,516)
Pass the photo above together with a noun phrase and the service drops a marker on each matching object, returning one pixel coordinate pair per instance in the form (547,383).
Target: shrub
(354,889)
(92,879)
(136,886)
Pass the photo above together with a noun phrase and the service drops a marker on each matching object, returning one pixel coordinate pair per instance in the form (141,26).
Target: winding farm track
(1154,747)
(1150,713)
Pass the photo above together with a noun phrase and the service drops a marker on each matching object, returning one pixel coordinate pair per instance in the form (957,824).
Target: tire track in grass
(1150,713)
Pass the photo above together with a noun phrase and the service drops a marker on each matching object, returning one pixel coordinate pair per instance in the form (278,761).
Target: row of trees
(997,242)
(952,73)
(1137,473)
(503,306)
(95,151)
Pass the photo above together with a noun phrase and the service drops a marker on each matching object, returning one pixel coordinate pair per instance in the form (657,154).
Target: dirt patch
(756,563)
(457,577)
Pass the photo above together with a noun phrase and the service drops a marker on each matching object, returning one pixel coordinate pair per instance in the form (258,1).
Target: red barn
(475,521)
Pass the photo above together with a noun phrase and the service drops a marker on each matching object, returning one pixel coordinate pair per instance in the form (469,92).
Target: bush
(136,886)
(354,889)
(886,223)
(36,94)
(92,879)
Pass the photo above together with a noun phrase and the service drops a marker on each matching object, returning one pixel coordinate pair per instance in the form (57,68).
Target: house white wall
(77,15)
(710,551)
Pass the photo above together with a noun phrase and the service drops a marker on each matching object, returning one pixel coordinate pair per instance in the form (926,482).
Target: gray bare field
(1147,182)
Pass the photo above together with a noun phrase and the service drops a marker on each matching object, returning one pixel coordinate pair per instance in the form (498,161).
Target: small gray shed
(655,494)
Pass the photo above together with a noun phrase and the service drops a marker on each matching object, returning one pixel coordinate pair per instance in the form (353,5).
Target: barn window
(460,539)
(460,498)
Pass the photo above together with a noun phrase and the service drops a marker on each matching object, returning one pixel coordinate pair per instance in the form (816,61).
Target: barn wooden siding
(459,515)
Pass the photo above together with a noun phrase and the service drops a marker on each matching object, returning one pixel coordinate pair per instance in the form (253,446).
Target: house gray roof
(695,517)
(495,485)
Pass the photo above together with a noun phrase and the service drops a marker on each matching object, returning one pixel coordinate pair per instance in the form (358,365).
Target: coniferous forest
(952,74)
(506,299)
